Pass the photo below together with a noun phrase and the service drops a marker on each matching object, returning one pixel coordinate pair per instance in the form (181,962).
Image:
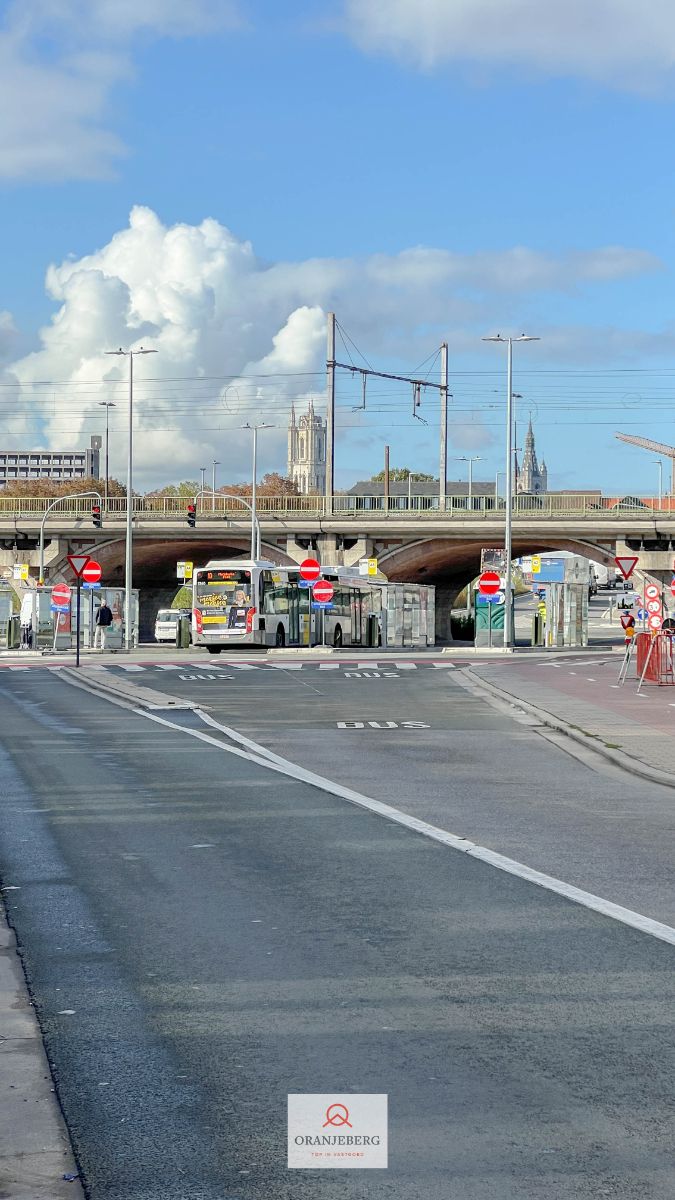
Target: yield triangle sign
(626,565)
(78,562)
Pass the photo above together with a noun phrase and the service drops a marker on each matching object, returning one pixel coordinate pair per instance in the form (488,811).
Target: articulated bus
(243,602)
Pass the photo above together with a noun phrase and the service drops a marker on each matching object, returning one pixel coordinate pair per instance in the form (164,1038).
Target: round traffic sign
(672,585)
(323,591)
(489,583)
(61,594)
(655,622)
(310,569)
(652,591)
(92,572)
(653,606)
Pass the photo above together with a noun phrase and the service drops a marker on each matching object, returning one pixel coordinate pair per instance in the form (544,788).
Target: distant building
(307,451)
(531,479)
(58,465)
(423,493)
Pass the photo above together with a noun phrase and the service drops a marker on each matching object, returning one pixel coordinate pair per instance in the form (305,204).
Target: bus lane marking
(266,758)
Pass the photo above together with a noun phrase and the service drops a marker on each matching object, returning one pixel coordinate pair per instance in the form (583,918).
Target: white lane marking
(405,666)
(19,668)
(168,667)
(572,672)
(589,680)
(273,762)
(283,666)
(237,666)
(129,667)
(329,666)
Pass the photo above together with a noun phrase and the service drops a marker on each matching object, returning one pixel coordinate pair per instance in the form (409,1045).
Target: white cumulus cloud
(611,40)
(239,339)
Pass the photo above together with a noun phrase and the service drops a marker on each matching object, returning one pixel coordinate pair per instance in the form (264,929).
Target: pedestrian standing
(104,619)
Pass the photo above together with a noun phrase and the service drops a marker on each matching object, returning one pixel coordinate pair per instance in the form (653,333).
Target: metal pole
(330,413)
(128,563)
(470,479)
(253,492)
(508,589)
(213,481)
(77,625)
(409,497)
(107,414)
(443,466)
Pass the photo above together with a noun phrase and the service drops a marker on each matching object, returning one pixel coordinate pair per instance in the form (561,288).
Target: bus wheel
(280,639)
(214,649)
(337,636)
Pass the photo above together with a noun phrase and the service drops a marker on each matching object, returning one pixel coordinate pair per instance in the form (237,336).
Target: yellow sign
(372,566)
(184,570)
(20,571)
(536,564)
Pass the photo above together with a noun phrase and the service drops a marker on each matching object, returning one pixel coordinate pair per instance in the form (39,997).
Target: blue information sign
(321,604)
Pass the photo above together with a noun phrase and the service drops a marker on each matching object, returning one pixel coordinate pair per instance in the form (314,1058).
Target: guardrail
(357,507)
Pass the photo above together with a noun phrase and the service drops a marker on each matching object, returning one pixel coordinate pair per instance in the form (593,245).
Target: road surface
(204,935)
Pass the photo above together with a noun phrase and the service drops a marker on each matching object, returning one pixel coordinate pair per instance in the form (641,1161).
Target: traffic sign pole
(77,622)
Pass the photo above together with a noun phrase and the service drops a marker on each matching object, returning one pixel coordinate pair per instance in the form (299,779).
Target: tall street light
(470,459)
(107,405)
(508,588)
(254,514)
(128,557)
(203,473)
(214,464)
(659,465)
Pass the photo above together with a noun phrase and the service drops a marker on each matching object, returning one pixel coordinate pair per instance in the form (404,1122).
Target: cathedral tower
(307,451)
(531,479)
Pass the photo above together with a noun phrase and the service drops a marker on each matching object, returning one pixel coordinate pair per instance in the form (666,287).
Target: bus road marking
(221,676)
(382,725)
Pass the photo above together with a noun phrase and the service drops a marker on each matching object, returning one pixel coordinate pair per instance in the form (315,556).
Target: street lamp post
(254,510)
(508,587)
(203,473)
(470,459)
(213,479)
(660,466)
(128,556)
(107,405)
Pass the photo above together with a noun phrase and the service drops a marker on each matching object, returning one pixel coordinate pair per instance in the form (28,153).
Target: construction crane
(656,447)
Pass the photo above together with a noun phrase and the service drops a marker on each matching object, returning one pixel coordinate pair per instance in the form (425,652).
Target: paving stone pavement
(586,695)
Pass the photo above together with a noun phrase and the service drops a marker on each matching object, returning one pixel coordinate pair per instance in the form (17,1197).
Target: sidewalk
(582,694)
(35,1151)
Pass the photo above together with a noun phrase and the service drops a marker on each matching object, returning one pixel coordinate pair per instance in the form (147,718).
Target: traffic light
(191,515)
(96,515)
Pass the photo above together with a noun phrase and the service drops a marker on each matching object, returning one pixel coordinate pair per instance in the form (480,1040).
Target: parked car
(166,623)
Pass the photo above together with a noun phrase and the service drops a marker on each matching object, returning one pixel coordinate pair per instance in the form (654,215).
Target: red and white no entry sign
(323,591)
(672,585)
(488,583)
(310,569)
(61,594)
(92,572)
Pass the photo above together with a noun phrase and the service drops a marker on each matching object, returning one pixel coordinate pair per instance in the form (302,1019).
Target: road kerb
(124,690)
(619,758)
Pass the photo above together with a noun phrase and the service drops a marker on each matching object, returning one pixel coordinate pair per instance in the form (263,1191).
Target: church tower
(531,479)
(307,451)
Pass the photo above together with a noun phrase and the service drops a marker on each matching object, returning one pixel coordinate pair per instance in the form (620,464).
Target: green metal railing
(357,507)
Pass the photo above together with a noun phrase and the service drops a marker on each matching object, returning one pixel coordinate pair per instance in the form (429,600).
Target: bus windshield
(223,597)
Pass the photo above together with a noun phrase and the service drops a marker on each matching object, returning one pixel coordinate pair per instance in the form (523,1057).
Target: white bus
(243,602)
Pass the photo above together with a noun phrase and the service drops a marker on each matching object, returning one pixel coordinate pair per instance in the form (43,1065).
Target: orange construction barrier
(655,658)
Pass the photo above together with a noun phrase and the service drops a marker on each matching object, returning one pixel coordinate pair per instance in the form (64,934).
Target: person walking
(104,619)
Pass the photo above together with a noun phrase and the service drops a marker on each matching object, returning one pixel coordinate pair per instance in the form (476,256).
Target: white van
(166,623)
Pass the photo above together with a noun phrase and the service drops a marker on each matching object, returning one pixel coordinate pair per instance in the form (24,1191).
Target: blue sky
(335,141)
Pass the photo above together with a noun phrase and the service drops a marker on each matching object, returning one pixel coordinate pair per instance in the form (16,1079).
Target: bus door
(293,614)
(355,612)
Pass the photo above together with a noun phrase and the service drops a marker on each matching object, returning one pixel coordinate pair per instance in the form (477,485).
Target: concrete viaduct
(427,546)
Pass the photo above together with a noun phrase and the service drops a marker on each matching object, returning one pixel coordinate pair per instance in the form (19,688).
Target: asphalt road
(203,936)
(436,751)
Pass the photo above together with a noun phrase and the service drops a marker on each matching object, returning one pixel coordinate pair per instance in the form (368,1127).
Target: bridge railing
(347,506)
